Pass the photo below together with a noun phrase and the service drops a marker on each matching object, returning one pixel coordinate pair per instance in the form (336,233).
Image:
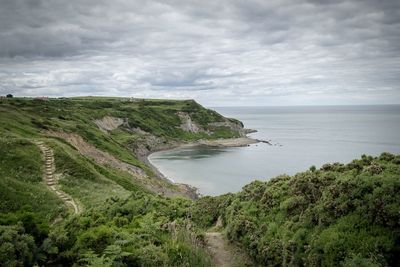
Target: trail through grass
(51,180)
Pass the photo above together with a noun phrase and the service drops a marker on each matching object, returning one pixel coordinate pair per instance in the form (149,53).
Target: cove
(300,137)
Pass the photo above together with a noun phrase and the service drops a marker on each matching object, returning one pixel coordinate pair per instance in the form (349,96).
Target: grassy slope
(91,183)
(21,183)
(122,222)
(28,117)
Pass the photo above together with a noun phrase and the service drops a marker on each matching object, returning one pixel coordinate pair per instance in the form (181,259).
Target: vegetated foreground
(339,215)
(345,215)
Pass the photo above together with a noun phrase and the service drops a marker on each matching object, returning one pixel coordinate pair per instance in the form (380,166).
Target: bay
(302,136)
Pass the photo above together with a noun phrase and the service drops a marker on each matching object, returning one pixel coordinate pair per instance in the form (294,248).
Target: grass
(87,181)
(21,170)
(33,118)
(27,118)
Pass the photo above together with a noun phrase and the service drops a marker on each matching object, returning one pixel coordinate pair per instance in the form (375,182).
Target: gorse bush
(143,230)
(339,215)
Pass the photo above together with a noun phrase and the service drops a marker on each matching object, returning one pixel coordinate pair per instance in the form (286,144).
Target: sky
(220,53)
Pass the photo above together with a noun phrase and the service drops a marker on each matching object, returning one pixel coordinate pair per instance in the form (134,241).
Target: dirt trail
(222,256)
(51,180)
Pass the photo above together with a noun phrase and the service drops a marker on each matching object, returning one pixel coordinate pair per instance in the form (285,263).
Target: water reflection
(192,153)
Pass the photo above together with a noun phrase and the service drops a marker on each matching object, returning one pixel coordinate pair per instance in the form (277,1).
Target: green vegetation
(338,215)
(87,181)
(346,215)
(21,180)
(25,116)
(142,230)
(143,126)
(123,224)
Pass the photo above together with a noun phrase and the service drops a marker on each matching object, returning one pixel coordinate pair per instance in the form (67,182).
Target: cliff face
(115,133)
(187,123)
(232,125)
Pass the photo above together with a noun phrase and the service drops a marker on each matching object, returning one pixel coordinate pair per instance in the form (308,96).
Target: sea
(299,136)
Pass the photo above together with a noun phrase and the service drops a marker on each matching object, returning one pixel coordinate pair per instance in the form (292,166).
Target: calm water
(302,136)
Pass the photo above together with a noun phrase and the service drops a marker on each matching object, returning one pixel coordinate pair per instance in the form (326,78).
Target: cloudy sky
(226,52)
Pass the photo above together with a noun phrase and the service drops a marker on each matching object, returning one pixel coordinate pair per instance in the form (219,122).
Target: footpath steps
(50,179)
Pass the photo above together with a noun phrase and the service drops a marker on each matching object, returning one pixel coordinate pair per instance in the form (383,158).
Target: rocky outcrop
(233,125)
(109,123)
(187,124)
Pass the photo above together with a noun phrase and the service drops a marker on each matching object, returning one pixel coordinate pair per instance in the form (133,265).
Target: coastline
(192,191)
(230,142)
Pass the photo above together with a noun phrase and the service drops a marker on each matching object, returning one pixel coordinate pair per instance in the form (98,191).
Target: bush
(339,215)
(16,247)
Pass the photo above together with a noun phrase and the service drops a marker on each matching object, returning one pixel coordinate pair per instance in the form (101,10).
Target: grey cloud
(250,50)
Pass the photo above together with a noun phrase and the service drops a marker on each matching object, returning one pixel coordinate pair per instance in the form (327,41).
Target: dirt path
(222,256)
(51,180)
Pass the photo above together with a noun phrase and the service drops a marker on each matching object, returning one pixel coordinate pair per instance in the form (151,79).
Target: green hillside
(94,152)
(74,128)
(339,215)
(99,148)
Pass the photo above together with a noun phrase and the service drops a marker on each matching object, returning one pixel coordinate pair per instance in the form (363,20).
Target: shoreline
(193,191)
(230,142)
